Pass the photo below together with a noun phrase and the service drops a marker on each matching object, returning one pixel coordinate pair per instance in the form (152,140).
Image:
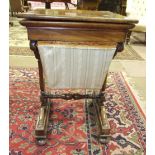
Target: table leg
(104,84)
(42,120)
(66,6)
(34,48)
(47,5)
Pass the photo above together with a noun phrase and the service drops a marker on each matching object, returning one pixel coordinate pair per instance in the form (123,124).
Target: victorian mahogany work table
(62,40)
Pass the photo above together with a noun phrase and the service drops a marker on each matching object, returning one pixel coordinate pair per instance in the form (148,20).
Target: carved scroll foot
(104,134)
(41,125)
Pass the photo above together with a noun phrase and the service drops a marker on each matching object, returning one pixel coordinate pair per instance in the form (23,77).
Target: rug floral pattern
(72,126)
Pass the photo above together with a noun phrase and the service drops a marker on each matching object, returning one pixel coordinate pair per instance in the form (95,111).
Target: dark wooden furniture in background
(116,6)
(101,27)
(17,6)
(123,7)
(88,4)
(48,2)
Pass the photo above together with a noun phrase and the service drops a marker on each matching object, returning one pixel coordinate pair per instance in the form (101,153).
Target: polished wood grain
(76,26)
(76,15)
(77,35)
(83,25)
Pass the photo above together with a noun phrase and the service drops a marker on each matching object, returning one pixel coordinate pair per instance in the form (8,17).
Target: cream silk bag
(70,66)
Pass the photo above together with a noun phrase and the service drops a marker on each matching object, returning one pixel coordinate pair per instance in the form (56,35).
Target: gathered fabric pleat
(70,67)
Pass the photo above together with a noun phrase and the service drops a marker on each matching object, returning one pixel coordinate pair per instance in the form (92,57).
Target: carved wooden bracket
(119,48)
(33,47)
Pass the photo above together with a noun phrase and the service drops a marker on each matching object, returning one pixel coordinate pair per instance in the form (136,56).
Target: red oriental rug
(72,125)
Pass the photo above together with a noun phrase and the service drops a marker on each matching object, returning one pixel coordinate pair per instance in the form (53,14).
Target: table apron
(76,35)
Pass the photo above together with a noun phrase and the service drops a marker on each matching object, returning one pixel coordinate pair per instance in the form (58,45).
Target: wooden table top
(76,16)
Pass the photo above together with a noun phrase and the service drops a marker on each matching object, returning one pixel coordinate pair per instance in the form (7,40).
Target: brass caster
(41,141)
(104,139)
